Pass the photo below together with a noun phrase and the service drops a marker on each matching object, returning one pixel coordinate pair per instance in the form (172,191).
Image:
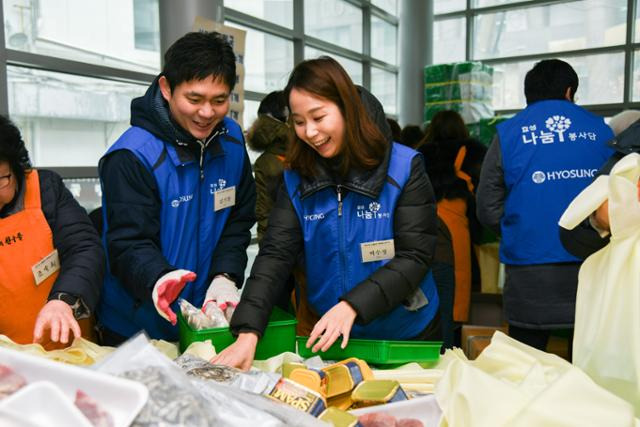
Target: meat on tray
(10,381)
(92,410)
(380,419)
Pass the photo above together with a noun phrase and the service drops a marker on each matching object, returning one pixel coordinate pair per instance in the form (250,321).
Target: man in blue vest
(178,196)
(538,162)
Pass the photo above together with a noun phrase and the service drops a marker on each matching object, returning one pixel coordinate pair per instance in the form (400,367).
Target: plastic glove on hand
(167,289)
(224,293)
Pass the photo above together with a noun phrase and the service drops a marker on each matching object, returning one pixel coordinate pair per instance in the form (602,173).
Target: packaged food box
(344,376)
(298,396)
(378,392)
(424,409)
(314,379)
(339,418)
(279,336)
(122,399)
(378,352)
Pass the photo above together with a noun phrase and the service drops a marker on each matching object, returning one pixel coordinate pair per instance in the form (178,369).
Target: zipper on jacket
(341,244)
(204,145)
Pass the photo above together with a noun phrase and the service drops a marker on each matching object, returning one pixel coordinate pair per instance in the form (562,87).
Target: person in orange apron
(43,293)
(453,173)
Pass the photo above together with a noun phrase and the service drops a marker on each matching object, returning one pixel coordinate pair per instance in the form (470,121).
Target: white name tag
(224,198)
(45,268)
(377,251)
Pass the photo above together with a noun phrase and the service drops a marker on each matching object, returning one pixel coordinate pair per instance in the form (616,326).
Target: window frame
(630,47)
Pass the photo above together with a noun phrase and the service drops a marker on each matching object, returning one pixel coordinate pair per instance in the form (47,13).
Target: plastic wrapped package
(177,399)
(213,317)
(465,87)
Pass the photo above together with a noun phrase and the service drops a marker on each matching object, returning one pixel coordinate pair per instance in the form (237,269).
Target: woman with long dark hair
(362,210)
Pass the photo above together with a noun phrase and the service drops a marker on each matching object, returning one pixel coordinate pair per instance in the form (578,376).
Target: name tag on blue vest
(224,198)
(378,250)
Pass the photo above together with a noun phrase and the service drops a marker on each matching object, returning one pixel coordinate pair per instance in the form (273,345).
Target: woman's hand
(600,217)
(335,322)
(239,354)
(57,316)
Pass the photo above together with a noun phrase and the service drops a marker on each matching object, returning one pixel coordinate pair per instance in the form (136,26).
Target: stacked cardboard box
(465,87)
(475,338)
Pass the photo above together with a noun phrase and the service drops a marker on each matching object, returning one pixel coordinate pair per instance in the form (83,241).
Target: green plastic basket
(378,352)
(279,336)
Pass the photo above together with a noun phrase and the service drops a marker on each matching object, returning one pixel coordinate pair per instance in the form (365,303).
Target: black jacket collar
(366,182)
(151,112)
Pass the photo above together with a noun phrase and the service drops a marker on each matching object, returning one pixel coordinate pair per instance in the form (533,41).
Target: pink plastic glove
(167,289)
(225,294)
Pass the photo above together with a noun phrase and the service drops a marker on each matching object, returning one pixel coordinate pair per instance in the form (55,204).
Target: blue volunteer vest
(190,229)
(550,151)
(332,247)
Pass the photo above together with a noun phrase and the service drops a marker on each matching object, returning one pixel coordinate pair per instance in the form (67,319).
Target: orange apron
(25,240)
(453,213)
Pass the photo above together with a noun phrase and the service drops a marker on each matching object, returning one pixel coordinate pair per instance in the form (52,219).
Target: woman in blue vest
(363,212)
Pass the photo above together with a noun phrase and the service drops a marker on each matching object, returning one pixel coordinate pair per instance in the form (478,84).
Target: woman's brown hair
(445,126)
(363,146)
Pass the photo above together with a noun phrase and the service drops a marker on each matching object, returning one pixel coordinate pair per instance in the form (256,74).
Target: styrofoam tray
(121,398)
(425,409)
(43,404)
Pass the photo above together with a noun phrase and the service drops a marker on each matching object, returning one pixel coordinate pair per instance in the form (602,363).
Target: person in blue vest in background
(360,208)
(538,162)
(178,196)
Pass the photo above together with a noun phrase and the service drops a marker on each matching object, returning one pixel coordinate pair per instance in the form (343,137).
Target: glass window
(353,68)
(61,113)
(334,21)
(383,40)
(637,24)
(449,40)
(635,84)
(389,6)
(145,23)
(601,80)
(486,3)
(384,87)
(268,62)
(277,11)
(557,27)
(102,32)
(445,6)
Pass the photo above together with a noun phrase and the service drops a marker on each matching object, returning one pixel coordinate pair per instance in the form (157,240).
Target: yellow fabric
(512,384)
(606,343)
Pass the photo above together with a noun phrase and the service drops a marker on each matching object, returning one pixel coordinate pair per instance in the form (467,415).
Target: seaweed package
(174,399)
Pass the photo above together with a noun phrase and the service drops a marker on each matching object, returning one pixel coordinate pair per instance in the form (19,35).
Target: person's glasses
(4,181)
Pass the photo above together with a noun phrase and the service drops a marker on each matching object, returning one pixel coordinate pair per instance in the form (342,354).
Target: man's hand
(167,289)
(223,293)
(57,316)
(240,354)
(335,322)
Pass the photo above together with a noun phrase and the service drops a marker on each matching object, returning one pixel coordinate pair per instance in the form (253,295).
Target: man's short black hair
(198,55)
(13,149)
(549,79)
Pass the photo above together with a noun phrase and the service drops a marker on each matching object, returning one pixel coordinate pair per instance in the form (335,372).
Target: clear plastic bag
(212,317)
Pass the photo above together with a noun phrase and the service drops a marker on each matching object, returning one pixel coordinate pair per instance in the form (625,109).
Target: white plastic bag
(606,343)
